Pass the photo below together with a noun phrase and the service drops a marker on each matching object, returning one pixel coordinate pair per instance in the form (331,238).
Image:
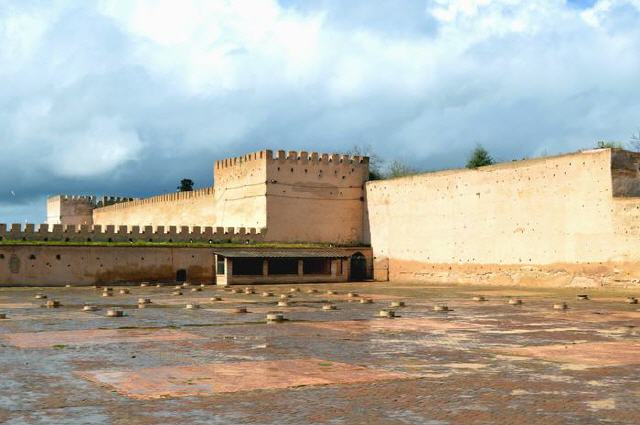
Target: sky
(127,97)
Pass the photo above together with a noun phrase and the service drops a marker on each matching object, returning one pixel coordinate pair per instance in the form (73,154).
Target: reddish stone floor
(483,362)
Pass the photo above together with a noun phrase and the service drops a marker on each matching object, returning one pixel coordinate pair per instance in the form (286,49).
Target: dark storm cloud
(127,97)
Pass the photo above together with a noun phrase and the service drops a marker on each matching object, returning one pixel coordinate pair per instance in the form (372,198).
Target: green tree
(479,158)
(399,168)
(186,185)
(375,162)
(601,144)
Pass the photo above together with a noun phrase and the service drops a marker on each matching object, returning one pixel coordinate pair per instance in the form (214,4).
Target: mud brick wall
(569,219)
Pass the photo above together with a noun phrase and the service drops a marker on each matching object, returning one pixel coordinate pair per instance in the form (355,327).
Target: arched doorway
(358,267)
(181,275)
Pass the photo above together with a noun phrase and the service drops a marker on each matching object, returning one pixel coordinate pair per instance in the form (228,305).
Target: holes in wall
(1,256)
(32,257)
(109,240)
(58,256)
(66,239)
(88,239)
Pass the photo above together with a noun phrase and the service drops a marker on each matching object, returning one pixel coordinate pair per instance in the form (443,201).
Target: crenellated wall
(298,196)
(316,197)
(558,219)
(195,208)
(111,233)
(77,209)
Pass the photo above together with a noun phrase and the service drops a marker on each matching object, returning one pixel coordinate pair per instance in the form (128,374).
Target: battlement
(91,200)
(166,197)
(302,156)
(110,233)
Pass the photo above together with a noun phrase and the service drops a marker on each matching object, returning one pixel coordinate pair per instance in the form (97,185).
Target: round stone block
(267,294)
(107,294)
(631,300)
(240,310)
(124,291)
(196,289)
(560,306)
(283,303)
(89,308)
(275,316)
(387,313)
(115,312)
(52,304)
(215,299)
(192,306)
(441,307)
(352,294)
(366,301)
(294,289)
(397,304)
(515,301)
(40,296)
(312,291)
(582,297)
(176,293)
(479,298)
(144,284)
(144,300)
(329,307)
(330,292)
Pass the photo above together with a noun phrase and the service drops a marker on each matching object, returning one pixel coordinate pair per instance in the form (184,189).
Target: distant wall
(298,196)
(76,210)
(551,219)
(61,265)
(316,197)
(195,208)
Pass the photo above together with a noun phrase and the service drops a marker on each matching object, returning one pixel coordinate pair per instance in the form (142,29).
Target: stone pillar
(265,267)
(300,268)
(334,267)
(229,270)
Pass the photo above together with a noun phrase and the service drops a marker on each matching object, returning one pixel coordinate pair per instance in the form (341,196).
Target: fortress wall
(77,210)
(315,197)
(544,220)
(195,208)
(240,190)
(60,265)
(111,233)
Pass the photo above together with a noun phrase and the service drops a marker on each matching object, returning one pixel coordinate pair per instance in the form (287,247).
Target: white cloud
(97,95)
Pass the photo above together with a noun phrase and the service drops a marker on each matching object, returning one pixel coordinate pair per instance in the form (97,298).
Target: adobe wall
(297,196)
(195,208)
(236,201)
(316,197)
(110,233)
(61,265)
(550,220)
(76,210)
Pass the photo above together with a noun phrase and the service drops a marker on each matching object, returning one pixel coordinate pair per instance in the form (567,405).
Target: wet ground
(484,362)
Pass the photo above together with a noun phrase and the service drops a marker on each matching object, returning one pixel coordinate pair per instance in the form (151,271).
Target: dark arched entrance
(358,267)
(181,275)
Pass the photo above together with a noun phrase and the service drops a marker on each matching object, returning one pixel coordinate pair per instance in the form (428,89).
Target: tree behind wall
(479,158)
(186,185)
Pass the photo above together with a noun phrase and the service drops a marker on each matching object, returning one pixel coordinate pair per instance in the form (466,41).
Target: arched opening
(358,267)
(181,275)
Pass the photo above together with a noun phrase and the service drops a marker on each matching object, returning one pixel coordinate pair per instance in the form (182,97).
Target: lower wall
(61,265)
(607,274)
